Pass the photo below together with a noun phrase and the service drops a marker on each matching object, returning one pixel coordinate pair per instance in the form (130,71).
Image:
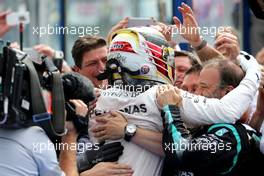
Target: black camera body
(14,89)
(21,92)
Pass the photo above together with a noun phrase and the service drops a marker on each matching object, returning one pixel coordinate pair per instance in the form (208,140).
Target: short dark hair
(85,44)
(196,68)
(230,73)
(193,58)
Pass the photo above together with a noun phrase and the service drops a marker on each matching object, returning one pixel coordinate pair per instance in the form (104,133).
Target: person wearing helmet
(138,59)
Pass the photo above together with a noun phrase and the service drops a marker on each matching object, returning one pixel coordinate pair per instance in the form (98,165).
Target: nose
(101,66)
(179,76)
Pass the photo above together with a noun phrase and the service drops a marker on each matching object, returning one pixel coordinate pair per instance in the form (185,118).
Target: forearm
(174,134)
(208,53)
(199,110)
(257,120)
(150,140)
(258,116)
(68,156)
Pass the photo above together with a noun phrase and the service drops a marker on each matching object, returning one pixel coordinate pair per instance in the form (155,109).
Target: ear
(228,89)
(76,68)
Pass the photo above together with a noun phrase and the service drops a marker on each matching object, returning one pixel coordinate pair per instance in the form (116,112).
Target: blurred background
(105,13)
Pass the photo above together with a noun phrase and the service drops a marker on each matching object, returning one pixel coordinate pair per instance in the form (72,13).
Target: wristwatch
(130,131)
(58,55)
(202,45)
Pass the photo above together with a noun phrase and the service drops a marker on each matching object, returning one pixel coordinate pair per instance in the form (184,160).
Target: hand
(45,50)
(4,27)
(261,85)
(15,45)
(109,169)
(189,22)
(260,56)
(164,29)
(120,25)
(111,126)
(228,45)
(77,113)
(247,61)
(105,153)
(80,107)
(168,95)
(92,104)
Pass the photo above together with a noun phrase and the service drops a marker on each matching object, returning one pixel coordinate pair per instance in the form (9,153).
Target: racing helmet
(139,56)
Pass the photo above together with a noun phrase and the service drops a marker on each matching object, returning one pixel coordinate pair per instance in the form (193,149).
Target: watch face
(131,128)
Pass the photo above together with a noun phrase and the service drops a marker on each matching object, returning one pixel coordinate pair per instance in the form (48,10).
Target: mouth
(177,83)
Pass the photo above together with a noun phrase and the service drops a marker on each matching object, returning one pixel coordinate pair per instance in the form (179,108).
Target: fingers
(92,105)
(15,45)
(164,88)
(260,56)
(168,94)
(192,20)
(97,92)
(124,22)
(226,46)
(229,50)
(98,128)
(78,103)
(41,47)
(164,29)
(177,90)
(177,22)
(104,118)
(80,107)
(122,172)
(226,39)
(121,166)
(116,114)
(4,14)
(45,49)
(187,8)
(181,10)
(99,134)
(261,86)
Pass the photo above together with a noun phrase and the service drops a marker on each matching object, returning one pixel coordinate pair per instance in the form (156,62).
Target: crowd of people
(158,110)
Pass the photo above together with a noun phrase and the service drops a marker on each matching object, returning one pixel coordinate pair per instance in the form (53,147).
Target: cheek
(88,72)
(179,74)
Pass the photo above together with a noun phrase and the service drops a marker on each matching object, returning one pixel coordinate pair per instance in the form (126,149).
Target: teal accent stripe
(238,147)
(256,138)
(176,136)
